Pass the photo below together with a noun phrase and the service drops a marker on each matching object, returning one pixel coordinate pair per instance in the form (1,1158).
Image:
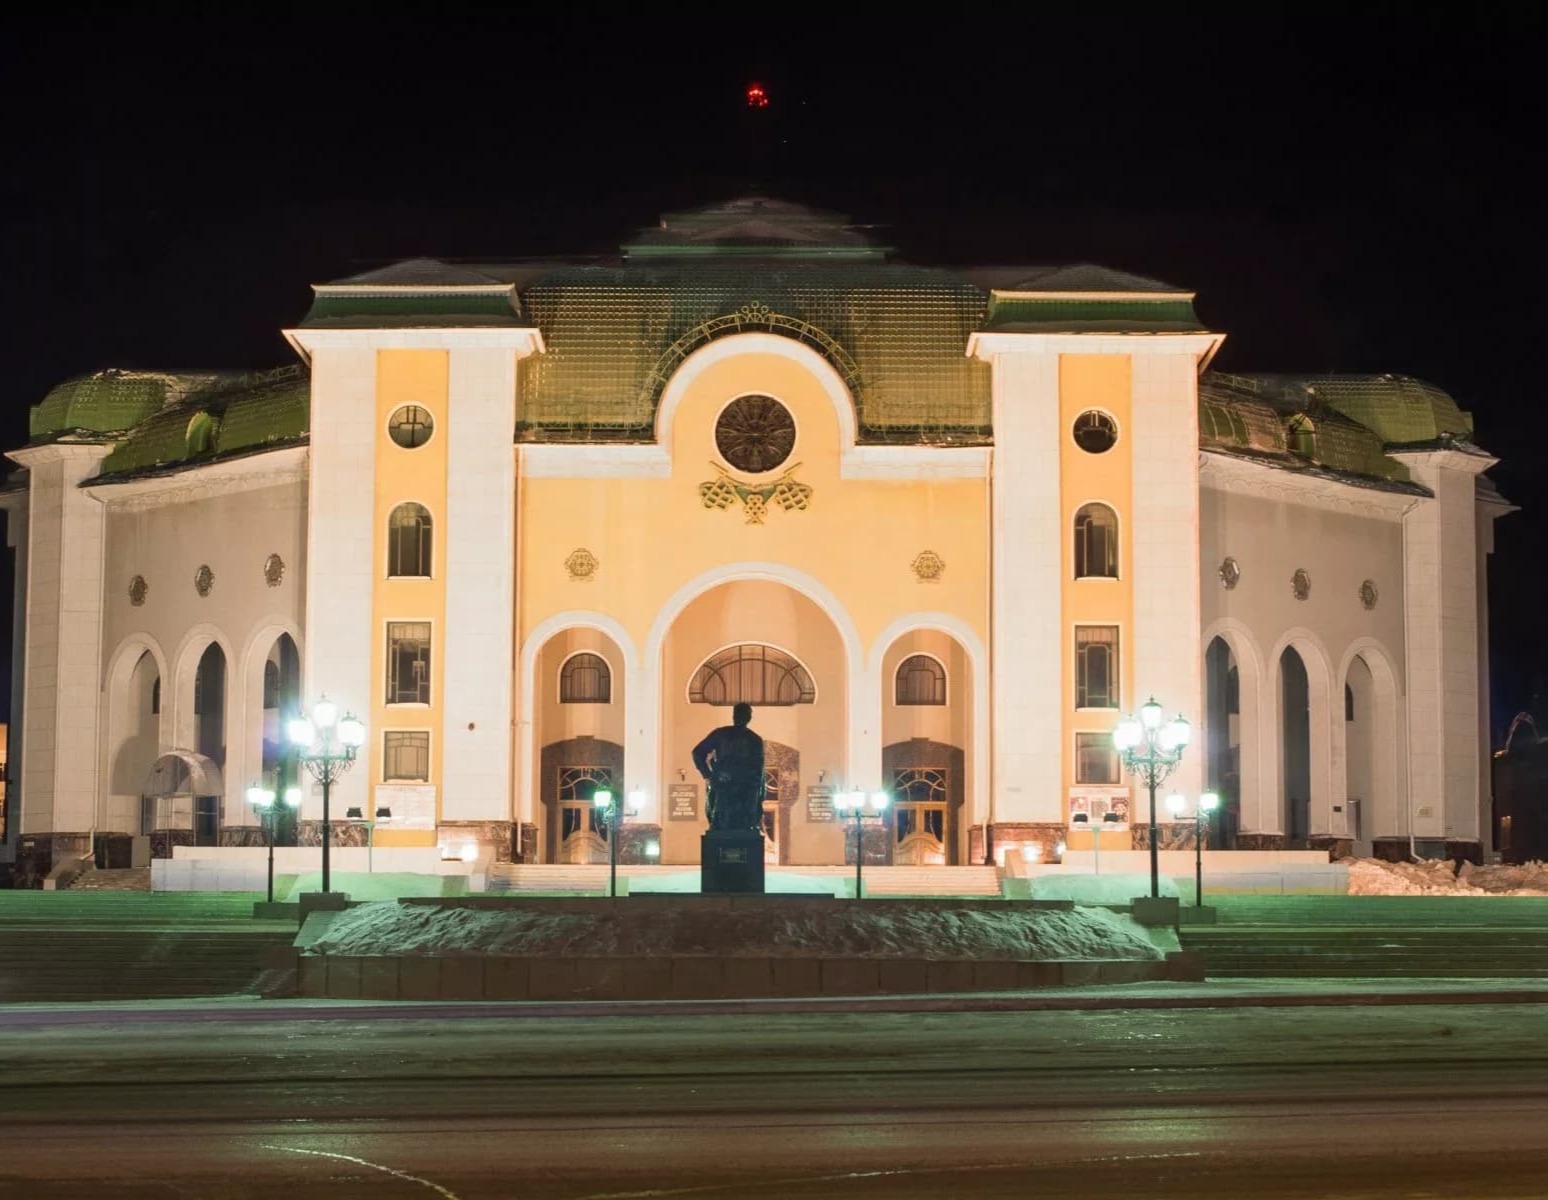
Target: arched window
(1096,542)
(408,540)
(752,674)
(920,680)
(271,684)
(156,697)
(585,679)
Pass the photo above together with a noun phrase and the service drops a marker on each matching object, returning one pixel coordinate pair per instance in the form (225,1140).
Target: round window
(1095,432)
(755,434)
(411,426)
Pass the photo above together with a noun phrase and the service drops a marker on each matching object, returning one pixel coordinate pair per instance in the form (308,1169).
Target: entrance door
(919,816)
(582,831)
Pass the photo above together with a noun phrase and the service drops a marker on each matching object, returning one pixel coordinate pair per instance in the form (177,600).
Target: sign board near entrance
(819,804)
(683,801)
(412,805)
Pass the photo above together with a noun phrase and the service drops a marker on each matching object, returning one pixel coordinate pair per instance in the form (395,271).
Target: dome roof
(1400,409)
(105,402)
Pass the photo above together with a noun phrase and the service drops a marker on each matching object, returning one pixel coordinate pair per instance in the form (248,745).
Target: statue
(731,761)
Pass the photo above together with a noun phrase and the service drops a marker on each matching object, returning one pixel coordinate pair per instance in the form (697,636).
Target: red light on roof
(756,96)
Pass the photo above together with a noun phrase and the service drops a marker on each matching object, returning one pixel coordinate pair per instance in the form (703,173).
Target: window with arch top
(752,674)
(920,680)
(1096,542)
(585,679)
(408,541)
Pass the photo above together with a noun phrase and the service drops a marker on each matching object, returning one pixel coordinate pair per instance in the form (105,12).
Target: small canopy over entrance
(180,803)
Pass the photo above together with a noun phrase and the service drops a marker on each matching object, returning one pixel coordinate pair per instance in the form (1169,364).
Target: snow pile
(1373,877)
(1098,889)
(775,931)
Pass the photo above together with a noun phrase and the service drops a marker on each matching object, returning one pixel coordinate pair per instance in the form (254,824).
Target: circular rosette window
(755,434)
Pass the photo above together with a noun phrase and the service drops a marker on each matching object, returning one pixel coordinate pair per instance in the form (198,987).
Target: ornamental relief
(204,580)
(787,492)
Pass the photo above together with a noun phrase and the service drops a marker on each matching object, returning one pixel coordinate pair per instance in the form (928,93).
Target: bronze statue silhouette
(731,761)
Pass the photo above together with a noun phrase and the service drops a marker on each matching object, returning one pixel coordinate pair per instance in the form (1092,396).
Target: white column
(1440,595)
(63,650)
(480,533)
(1026,539)
(1168,662)
(340,529)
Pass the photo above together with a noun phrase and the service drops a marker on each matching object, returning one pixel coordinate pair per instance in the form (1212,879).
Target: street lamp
(607,809)
(327,744)
(1151,748)
(1208,803)
(357,815)
(857,803)
(262,799)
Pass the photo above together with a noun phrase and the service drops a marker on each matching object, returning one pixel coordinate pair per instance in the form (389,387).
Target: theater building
(539,524)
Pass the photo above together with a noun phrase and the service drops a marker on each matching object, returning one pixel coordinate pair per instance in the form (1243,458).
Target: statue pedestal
(731,860)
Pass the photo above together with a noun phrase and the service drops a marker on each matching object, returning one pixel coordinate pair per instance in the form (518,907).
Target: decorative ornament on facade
(754,311)
(928,566)
(1368,595)
(204,580)
(1230,573)
(137,589)
(273,570)
(1300,583)
(755,434)
(786,491)
(581,564)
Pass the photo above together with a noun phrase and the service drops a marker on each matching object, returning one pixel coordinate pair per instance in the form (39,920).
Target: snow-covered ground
(774,883)
(794,931)
(1372,877)
(1099,889)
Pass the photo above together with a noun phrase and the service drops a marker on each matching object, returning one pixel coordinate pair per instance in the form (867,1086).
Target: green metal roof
(106,402)
(614,334)
(412,308)
(1074,314)
(1398,408)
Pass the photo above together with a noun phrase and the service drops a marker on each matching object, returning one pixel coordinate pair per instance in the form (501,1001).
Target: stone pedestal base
(1170,835)
(489,835)
(731,860)
(1156,910)
(1260,841)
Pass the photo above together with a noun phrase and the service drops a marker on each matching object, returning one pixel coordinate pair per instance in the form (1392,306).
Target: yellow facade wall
(651,536)
(1102,382)
(419,475)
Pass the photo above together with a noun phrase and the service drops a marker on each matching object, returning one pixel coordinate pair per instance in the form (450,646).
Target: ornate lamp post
(857,803)
(1151,748)
(607,809)
(262,799)
(327,745)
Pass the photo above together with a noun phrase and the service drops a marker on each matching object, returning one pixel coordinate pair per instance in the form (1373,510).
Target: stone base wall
(524,842)
(876,838)
(496,834)
(1337,847)
(632,840)
(1261,841)
(1390,849)
(341,833)
(162,841)
(242,835)
(1460,851)
(39,853)
(1045,835)
(1170,835)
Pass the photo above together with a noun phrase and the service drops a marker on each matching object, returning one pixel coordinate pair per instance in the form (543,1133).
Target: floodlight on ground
(652,849)
(1059,849)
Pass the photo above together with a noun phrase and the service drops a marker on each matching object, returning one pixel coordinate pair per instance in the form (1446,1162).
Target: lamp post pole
(1151,749)
(327,745)
(1208,802)
(262,799)
(857,802)
(612,817)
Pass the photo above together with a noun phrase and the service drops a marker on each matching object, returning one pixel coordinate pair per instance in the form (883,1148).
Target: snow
(1098,889)
(795,930)
(1373,877)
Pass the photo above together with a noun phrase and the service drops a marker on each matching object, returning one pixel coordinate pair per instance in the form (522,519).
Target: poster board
(819,804)
(683,802)
(412,805)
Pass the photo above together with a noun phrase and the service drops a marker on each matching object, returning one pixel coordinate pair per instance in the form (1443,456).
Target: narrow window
(408,662)
(1348,703)
(156,696)
(1096,542)
(920,680)
(1096,666)
(406,755)
(271,684)
(1095,759)
(585,679)
(408,541)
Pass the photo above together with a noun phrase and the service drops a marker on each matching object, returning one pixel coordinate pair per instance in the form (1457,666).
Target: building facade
(539,524)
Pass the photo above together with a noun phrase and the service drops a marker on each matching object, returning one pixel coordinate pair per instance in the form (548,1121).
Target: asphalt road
(1328,1102)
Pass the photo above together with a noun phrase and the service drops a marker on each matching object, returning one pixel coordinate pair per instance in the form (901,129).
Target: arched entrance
(578,703)
(926,726)
(1223,739)
(1295,747)
(133,707)
(270,694)
(764,642)
(1372,748)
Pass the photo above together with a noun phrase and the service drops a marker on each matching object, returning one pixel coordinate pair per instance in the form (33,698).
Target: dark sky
(1346,190)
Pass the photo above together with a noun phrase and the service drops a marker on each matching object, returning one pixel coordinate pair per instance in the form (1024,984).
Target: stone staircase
(127,945)
(538,879)
(129,879)
(1375,937)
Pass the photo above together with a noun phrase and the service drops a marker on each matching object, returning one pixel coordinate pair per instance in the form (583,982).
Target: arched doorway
(180,802)
(579,712)
(926,727)
(1295,747)
(1359,753)
(273,690)
(1223,739)
(764,642)
(132,741)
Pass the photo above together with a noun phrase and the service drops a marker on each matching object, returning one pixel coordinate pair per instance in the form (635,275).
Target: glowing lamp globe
(1128,735)
(1150,714)
(324,713)
(602,798)
(1174,734)
(301,732)
(260,797)
(879,800)
(293,797)
(1175,803)
(352,732)
(1209,802)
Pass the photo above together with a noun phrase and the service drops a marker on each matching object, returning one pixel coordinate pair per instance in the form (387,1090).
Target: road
(453,1102)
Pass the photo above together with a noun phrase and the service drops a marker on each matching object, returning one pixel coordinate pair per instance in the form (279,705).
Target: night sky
(1345,192)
